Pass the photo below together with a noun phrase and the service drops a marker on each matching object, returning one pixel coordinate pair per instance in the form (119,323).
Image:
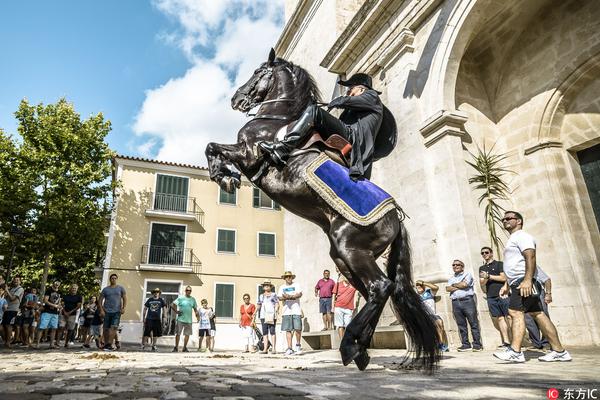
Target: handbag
(269,318)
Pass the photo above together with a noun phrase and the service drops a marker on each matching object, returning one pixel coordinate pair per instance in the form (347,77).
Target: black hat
(359,79)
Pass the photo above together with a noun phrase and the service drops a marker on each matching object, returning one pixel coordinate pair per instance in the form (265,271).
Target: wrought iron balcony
(172,258)
(175,206)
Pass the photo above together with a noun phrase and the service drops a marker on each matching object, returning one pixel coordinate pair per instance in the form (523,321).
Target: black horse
(283,90)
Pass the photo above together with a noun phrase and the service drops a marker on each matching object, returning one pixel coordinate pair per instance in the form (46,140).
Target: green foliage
(67,192)
(489,178)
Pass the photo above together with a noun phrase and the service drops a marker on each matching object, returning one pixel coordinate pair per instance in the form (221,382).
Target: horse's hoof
(229,184)
(349,353)
(362,360)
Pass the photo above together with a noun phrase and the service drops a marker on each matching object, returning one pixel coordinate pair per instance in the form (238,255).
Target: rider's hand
(336,102)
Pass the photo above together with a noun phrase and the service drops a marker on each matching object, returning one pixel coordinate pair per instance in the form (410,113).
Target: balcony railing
(170,257)
(175,204)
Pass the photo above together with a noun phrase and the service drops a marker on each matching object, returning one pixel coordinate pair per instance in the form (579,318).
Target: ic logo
(552,394)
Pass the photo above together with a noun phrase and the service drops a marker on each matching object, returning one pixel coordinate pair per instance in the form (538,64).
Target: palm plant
(489,177)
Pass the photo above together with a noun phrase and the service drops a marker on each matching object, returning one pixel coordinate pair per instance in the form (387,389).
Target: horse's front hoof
(229,184)
(362,360)
(349,353)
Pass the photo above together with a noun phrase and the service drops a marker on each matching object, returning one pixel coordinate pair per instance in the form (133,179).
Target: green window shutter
(266,244)
(224,300)
(226,241)
(255,197)
(166,244)
(171,193)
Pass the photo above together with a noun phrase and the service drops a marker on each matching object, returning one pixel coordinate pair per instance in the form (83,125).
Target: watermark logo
(552,394)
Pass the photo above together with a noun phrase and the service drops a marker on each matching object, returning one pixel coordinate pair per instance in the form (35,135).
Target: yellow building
(173,227)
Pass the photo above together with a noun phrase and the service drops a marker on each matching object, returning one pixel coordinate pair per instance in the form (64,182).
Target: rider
(364,119)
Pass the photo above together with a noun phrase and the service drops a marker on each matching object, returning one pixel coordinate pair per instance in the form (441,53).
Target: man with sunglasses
(524,293)
(464,307)
(491,280)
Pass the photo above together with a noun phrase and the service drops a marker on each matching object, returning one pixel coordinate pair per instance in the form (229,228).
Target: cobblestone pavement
(132,374)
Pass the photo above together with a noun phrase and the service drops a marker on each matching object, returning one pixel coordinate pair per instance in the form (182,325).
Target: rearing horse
(283,90)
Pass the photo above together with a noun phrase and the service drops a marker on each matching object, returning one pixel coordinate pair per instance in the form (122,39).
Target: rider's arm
(367,101)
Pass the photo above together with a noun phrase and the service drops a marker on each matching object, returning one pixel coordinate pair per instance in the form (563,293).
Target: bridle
(267,72)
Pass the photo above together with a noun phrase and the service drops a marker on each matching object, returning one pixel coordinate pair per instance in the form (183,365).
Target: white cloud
(189,111)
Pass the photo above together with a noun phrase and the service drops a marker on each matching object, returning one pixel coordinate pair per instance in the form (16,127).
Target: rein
(271,116)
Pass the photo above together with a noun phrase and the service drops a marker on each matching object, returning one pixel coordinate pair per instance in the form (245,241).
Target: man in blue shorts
(111,303)
(49,317)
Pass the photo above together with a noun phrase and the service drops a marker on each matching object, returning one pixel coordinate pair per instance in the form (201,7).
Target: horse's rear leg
(361,329)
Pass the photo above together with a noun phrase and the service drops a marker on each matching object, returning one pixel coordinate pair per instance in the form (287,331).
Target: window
(261,200)
(224,300)
(589,160)
(225,241)
(167,244)
(227,198)
(171,193)
(266,244)
(169,292)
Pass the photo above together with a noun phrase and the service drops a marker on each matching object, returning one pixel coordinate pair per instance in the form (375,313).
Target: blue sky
(144,64)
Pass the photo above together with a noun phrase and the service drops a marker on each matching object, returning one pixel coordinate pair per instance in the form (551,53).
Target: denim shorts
(112,320)
(291,323)
(325,305)
(48,321)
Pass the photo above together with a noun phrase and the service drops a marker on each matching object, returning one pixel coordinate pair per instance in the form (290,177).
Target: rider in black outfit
(360,123)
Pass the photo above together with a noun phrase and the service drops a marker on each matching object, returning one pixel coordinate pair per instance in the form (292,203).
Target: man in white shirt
(291,320)
(524,292)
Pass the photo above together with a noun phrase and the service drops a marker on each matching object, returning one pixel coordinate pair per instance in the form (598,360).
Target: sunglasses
(188,290)
(246,298)
(508,219)
(457,265)
(485,252)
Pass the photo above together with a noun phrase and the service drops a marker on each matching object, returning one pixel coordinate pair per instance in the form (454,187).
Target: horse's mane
(305,90)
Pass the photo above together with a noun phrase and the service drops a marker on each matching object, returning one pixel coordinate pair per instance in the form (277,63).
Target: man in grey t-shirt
(13,297)
(112,302)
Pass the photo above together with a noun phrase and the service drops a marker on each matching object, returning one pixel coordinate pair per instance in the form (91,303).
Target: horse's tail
(418,322)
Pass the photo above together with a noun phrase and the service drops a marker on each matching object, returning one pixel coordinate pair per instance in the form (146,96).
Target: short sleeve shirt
(3,303)
(155,307)
(112,298)
(325,288)
(428,299)
(246,312)
(344,295)
(205,314)
(186,305)
(461,293)
(514,261)
(15,304)
(54,298)
(71,301)
(267,304)
(290,307)
(493,287)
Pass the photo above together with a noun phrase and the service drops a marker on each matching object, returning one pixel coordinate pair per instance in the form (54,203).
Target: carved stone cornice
(295,27)
(443,123)
(545,144)
(373,33)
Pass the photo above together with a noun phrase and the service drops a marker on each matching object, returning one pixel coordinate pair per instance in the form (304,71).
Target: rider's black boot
(279,152)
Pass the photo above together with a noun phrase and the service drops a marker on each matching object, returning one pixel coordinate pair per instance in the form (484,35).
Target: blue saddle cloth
(361,201)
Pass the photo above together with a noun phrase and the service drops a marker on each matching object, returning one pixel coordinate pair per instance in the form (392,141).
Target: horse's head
(255,90)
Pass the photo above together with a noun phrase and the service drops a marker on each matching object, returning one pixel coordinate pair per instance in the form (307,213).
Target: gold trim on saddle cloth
(338,204)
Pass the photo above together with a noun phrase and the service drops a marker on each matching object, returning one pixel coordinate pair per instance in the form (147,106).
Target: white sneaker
(556,356)
(289,352)
(298,351)
(510,355)
(142,347)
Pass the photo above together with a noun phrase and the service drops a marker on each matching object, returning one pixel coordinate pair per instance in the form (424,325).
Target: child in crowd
(206,313)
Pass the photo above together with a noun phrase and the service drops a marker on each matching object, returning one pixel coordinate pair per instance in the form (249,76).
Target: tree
(69,165)
(489,178)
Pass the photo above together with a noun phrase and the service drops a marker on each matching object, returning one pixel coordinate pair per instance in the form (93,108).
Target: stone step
(385,337)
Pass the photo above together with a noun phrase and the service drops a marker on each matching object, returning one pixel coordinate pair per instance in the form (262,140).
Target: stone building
(521,75)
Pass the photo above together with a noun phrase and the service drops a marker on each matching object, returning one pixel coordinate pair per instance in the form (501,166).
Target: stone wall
(523,76)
